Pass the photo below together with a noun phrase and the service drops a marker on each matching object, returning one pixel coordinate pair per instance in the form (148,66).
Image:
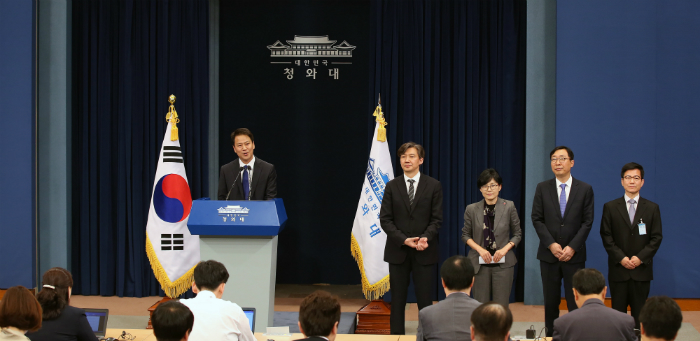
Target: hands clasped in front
(631,263)
(564,255)
(417,243)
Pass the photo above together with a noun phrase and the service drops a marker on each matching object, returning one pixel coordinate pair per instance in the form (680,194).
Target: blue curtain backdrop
(128,57)
(452,78)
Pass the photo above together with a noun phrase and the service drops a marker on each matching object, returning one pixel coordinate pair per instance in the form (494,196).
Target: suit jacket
(621,239)
(571,230)
(448,319)
(400,221)
(71,325)
(263,186)
(312,338)
(505,224)
(593,321)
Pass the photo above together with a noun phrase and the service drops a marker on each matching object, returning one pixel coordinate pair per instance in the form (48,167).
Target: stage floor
(131,312)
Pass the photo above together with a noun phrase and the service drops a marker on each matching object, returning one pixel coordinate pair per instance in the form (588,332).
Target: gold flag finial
(381,131)
(172,118)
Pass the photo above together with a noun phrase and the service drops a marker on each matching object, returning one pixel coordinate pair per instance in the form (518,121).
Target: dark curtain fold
(452,77)
(128,57)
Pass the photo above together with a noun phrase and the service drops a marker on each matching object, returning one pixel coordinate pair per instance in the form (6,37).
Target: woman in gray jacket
(492,230)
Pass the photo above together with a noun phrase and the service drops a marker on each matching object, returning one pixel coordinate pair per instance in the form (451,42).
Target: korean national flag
(368,239)
(172,250)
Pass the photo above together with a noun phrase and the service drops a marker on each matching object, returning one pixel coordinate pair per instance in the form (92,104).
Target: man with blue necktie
(247,177)
(562,214)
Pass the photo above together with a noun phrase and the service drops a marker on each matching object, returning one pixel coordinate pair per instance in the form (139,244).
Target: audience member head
(172,321)
(20,310)
(660,319)
(319,315)
(55,292)
(210,275)
(457,274)
(491,322)
(588,283)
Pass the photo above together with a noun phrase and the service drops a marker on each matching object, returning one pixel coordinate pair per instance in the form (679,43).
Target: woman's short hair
(54,292)
(20,309)
(487,175)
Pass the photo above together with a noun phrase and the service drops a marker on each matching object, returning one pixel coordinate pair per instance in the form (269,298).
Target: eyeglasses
(487,187)
(563,159)
(636,177)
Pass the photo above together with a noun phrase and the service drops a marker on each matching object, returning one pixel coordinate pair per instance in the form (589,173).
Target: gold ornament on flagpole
(172,118)
(381,131)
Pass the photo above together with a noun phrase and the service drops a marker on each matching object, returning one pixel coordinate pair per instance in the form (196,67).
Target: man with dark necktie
(562,213)
(247,177)
(411,215)
(631,232)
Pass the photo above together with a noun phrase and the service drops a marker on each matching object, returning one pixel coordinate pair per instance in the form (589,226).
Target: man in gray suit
(449,319)
(593,320)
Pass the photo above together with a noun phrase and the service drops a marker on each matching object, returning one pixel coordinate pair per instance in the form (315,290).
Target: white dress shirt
(627,202)
(415,184)
(568,187)
(217,319)
(251,164)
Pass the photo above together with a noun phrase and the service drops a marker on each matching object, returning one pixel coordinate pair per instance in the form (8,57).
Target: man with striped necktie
(411,215)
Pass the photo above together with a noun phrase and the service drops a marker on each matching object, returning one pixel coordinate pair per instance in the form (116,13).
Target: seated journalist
(19,312)
(172,321)
(319,315)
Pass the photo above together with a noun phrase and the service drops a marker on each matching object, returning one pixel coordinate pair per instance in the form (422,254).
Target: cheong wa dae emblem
(233,213)
(377,182)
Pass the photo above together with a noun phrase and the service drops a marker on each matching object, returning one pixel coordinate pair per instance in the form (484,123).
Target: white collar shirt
(250,164)
(627,202)
(568,187)
(415,184)
(217,319)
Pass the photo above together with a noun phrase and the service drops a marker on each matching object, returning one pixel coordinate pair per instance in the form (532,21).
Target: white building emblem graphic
(316,46)
(233,209)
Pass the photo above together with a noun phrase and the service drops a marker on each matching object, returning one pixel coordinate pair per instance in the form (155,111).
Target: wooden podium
(374,318)
(153,308)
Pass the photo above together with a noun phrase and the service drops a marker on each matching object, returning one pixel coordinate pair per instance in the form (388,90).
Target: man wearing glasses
(631,232)
(562,213)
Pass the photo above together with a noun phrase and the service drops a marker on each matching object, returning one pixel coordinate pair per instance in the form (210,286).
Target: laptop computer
(250,314)
(97,318)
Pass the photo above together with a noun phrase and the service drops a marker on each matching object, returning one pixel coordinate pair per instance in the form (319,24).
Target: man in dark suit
(445,320)
(593,320)
(247,177)
(562,213)
(631,232)
(411,215)
(319,315)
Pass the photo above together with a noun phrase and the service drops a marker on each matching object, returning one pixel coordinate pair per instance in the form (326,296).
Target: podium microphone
(234,181)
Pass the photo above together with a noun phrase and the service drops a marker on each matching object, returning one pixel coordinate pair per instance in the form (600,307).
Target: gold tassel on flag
(172,118)
(381,131)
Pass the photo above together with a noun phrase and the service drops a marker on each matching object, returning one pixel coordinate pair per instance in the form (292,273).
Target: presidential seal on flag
(171,249)
(368,239)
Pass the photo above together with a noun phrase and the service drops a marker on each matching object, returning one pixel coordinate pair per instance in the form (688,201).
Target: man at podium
(247,177)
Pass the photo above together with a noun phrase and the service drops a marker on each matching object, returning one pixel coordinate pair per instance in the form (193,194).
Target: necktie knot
(632,201)
(563,186)
(411,181)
